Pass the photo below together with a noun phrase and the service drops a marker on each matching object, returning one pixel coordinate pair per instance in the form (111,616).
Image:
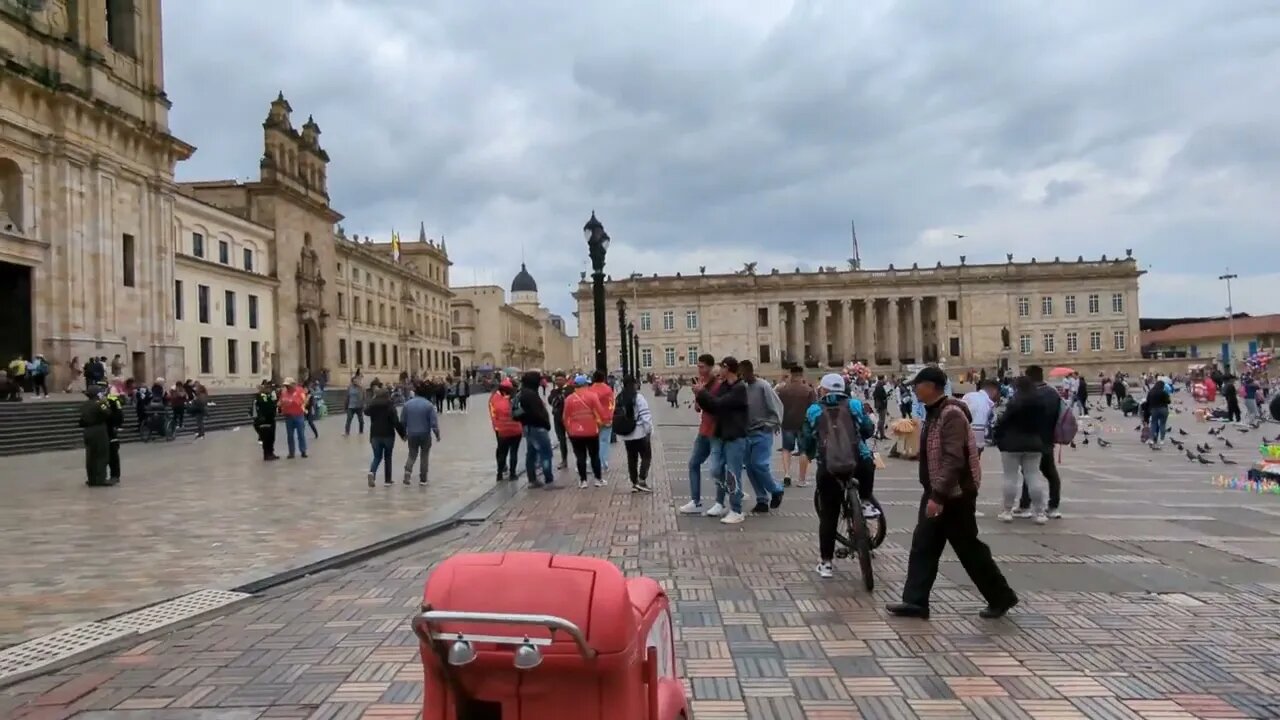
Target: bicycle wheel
(857,527)
(876,527)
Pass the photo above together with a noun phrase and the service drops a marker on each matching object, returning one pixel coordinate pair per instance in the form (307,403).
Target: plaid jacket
(952,464)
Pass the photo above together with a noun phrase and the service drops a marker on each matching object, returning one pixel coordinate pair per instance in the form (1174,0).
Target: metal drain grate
(57,646)
(176,610)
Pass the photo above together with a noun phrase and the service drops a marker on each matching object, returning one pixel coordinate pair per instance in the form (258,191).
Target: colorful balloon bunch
(1260,486)
(1258,361)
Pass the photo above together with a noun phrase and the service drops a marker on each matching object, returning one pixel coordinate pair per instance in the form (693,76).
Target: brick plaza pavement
(1153,598)
(205,514)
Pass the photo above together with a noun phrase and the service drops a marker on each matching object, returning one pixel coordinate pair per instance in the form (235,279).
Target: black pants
(958,526)
(1109,396)
(882,419)
(450,400)
(1049,469)
(564,442)
(639,453)
(267,434)
(586,449)
(828,498)
(905,408)
(113,459)
(508,449)
(865,474)
(1233,409)
(311,421)
(39,385)
(462,402)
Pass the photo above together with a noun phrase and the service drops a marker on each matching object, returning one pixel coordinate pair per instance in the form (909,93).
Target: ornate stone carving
(7,223)
(1004,338)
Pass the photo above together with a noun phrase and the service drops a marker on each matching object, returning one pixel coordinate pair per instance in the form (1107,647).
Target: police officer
(94,420)
(264,419)
(114,405)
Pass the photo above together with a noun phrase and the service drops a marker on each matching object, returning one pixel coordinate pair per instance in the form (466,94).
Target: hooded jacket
(809,433)
(583,415)
(500,416)
(728,403)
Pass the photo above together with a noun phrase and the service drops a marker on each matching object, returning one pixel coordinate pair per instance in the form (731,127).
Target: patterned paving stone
(1112,624)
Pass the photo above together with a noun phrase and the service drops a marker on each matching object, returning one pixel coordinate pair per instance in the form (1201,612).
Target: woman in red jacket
(583,418)
(506,429)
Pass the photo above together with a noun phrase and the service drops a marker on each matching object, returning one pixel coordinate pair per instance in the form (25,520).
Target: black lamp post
(597,246)
(624,343)
(635,355)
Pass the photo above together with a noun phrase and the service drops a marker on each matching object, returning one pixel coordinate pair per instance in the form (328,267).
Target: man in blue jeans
(728,403)
(537,431)
(764,417)
(702,442)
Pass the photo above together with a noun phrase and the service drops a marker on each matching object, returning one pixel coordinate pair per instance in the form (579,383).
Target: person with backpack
(530,411)
(506,429)
(950,475)
(1018,437)
(583,418)
(1158,410)
(1049,431)
(834,436)
(633,424)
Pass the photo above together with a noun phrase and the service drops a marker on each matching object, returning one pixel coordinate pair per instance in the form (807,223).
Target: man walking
(951,475)
(555,399)
(293,405)
(764,418)
(604,393)
(421,421)
(1048,468)
(703,441)
(796,396)
(728,403)
(265,405)
(355,404)
(880,399)
(537,430)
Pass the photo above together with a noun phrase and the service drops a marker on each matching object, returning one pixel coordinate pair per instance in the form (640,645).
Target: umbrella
(1060,372)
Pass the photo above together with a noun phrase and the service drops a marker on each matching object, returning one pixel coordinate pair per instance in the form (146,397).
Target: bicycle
(862,538)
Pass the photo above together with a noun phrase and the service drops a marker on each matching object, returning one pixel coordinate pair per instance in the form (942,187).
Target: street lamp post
(624,343)
(597,246)
(635,354)
(1231,321)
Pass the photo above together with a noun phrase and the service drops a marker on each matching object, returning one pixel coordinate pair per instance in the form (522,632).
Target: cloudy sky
(716,132)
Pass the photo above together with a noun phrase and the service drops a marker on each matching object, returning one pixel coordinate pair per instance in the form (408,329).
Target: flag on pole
(395,246)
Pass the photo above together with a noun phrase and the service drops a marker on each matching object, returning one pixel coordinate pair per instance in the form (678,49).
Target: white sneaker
(1006,516)
(1022,513)
(870,511)
(582,484)
(600,483)
(1055,514)
(714,511)
(1041,518)
(691,508)
(733,518)
(825,571)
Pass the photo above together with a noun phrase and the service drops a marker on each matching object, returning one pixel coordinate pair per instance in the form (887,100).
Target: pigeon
(1214,431)
(1182,432)
(1084,441)
(1225,461)
(1189,455)
(1203,461)
(1177,444)
(1138,428)
(1243,430)
(1084,433)
(1103,443)
(1073,444)
(1228,443)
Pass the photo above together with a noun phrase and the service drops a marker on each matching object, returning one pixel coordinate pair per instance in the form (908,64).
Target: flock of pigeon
(1202,451)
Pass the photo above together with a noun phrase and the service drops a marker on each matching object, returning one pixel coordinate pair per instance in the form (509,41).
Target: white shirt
(644,420)
(980,407)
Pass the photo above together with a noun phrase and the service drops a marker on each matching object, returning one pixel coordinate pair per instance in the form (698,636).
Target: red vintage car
(536,636)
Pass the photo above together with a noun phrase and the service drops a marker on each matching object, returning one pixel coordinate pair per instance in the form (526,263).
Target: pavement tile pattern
(1155,597)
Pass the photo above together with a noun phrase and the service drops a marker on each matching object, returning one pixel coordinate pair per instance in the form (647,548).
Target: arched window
(11,219)
(455,340)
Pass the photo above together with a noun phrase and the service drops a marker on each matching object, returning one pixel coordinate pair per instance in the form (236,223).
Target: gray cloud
(732,130)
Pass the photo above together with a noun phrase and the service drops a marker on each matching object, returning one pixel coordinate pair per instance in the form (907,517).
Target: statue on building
(1004,338)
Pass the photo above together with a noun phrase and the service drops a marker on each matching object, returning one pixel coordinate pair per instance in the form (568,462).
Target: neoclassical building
(1081,313)
(520,334)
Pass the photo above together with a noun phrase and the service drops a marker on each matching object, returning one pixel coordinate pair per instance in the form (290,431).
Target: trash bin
(536,636)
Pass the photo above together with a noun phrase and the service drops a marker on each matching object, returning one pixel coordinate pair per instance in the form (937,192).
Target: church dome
(523,281)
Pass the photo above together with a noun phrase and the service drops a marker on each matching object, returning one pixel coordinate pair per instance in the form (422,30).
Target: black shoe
(908,610)
(289,456)
(786,482)
(994,612)
(113,481)
(775,502)
(501,477)
(761,508)
(641,487)
(304,454)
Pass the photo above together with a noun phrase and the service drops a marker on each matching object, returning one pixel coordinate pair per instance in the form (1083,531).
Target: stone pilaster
(895,350)
(869,329)
(797,332)
(820,333)
(917,329)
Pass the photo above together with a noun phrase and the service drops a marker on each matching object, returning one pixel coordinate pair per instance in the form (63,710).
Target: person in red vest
(506,429)
(293,406)
(604,393)
(583,418)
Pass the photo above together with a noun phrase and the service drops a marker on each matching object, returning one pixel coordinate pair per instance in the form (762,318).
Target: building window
(368,278)
(355,307)
(202,303)
(197,244)
(342,305)
(1118,340)
(177,300)
(121,31)
(1046,306)
(668,320)
(1094,304)
(206,356)
(1024,343)
(691,319)
(129,259)
(1095,340)
(955,347)
(1050,345)
(342,351)
(953,310)
(646,322)
(691,355)
(1117,303)
(384,355)
(669,355)
(255,359)
(233,359)
(646,357)
(1024,307)
(229,307)
(395,356)
(1069,304)
(766,355)
(762,317)
(253,312)
(368,311)
(248,259)
(355,275)
(1073,342)
(224,252)
(359,353)
(382,315)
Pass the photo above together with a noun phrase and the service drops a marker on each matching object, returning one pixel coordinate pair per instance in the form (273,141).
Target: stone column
(796,351)
(820,334)
(894,349)
(850,341)
(940,326)
(917,329)
(777,337)
(869,329)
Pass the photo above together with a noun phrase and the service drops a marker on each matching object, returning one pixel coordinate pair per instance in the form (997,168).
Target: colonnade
(878,330)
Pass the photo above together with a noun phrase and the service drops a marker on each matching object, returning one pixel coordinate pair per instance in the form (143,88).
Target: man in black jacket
(728,403)
(556,400)
(537,431)
(264,419)
(1048,468)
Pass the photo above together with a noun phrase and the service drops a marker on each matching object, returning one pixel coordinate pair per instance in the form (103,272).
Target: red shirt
(707,427)
(500,416)
(293,403)
(604,394)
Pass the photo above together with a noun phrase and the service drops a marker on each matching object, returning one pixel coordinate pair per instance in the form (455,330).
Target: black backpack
(624,416)
(838,440)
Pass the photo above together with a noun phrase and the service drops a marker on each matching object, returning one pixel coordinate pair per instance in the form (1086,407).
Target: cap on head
(929,374)
(832,382)
(581,380)
(288,381)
